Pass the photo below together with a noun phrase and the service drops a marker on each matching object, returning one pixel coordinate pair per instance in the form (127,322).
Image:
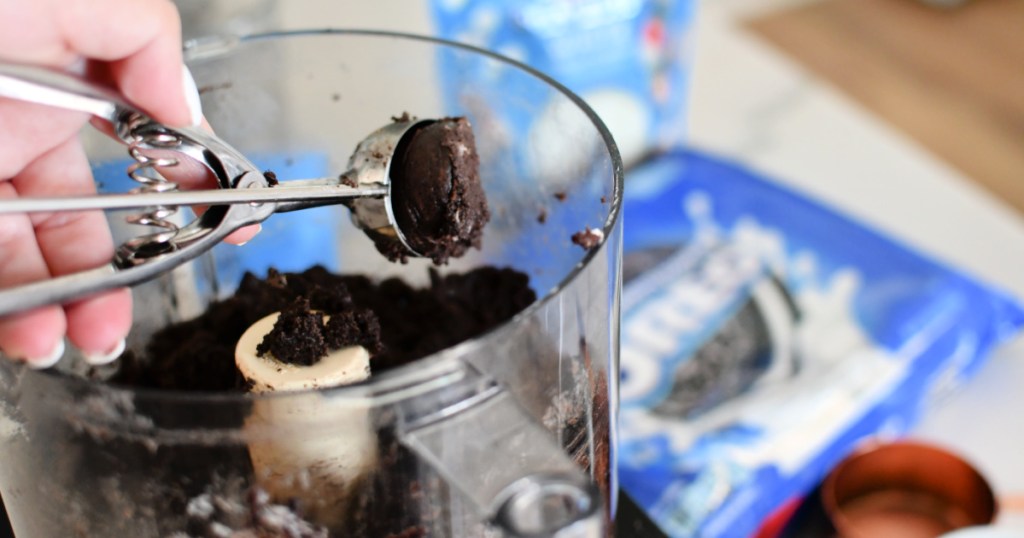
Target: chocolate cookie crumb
(405,117)
(542,217)
(436,195)
(407,323)
(604,200)
(301,336)
(271,178)
(561,196)
(297,336)
(276,278)
(588,238)
(353,328)
(347,180)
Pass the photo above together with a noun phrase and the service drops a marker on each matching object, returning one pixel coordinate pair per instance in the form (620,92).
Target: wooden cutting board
(953,79)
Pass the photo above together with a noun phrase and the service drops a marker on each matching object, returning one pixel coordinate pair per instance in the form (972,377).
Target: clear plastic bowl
(510,433)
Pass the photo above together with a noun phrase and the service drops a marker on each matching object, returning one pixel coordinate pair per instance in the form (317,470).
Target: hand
(133,46)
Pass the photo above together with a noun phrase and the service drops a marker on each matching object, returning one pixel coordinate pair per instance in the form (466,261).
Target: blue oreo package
(765,335)
(628,59)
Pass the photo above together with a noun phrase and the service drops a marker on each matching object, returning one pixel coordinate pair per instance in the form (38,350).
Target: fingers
(242,236)
(99,325)
(74,241)
(141,40)
(139,44)
(29,130)
(36,335)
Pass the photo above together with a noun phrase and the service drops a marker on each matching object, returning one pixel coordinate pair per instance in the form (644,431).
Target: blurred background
(905,115)
(945,73)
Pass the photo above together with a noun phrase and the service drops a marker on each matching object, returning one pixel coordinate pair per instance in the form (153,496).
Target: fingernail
(41,363)
(99,359)
(259,228)
(195,105)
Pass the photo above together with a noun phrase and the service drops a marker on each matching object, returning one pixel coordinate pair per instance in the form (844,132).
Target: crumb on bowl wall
(588,238)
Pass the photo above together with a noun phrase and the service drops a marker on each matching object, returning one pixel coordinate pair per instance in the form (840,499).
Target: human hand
(133,46)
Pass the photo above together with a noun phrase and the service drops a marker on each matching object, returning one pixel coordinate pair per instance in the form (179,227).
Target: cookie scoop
(413,186)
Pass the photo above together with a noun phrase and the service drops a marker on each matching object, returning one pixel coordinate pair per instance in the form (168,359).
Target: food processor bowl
(510,433)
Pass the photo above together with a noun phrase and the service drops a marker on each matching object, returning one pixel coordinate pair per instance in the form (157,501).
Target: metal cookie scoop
(245,195)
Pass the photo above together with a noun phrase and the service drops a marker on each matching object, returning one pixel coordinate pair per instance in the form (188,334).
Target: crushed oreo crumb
(396,322)
(297,336)
(437,198)
(349,328)
(347,180)
(588,238)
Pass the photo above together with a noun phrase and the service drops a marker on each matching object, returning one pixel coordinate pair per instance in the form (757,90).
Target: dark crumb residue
(561,196)
(394,321)
(542,217)
(403,118)
(297,337)
(587,239)
(271,178)
(437,197)
(358,327)
(302,336)
(604,200)
(347,180)
(336,97)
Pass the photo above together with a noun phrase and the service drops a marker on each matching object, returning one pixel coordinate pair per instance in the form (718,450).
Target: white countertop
(752,104)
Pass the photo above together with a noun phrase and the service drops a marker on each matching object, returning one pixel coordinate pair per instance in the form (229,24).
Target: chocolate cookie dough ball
(436,195)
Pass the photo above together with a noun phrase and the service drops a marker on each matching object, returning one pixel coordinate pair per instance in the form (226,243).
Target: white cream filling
(340,367)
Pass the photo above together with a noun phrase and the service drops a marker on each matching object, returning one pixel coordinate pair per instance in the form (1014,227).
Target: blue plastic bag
(764,336)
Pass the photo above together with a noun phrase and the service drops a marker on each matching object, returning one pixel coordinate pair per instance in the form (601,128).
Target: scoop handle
(194,239)
(325,191)
(62,90)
